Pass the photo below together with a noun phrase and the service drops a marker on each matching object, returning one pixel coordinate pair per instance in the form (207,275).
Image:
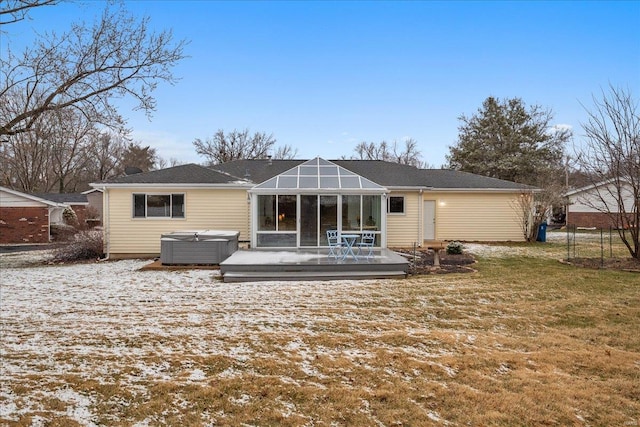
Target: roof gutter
(464,189)
(232,186)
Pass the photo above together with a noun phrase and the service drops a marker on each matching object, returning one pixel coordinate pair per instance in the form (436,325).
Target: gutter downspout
(105,223)
(420,219)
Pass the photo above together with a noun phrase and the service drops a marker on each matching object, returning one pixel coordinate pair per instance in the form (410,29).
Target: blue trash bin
(542,232)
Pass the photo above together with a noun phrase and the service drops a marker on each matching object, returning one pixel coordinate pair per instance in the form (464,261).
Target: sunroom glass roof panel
(308,182)
(319,174)
(350,182)
(288,182)
(308,170)
(328,170)
(329,182)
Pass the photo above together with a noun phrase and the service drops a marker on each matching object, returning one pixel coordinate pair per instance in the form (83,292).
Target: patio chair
(367,241)
(334,243)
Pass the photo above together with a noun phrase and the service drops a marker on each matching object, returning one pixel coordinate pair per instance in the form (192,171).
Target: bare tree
(533,207)
(162,163)
(26,161)
(409,155)
(610,157)
(234,145)
(69,143)
(85,68)
(16,10)
(55,156)
(285,152)
(105,156)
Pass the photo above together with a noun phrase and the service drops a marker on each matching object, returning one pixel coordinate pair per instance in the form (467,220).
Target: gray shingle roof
(387,174)
(257,171)
(182,174)
(68,198)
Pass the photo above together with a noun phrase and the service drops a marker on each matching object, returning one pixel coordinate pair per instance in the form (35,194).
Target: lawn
(525,340)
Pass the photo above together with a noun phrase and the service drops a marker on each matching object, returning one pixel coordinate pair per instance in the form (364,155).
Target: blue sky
(323,76)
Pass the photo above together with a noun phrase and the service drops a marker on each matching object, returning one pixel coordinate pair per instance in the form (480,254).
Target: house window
(277,213)
(396,204)
(267,213)
(351,215)
(371,213)
(158,205)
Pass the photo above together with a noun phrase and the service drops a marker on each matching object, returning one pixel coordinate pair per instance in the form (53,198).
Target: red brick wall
(24,225)
(589,219)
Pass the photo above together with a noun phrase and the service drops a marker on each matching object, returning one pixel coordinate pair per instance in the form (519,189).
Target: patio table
(349,240)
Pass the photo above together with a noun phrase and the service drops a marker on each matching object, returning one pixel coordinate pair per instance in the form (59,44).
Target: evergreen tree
(507,140)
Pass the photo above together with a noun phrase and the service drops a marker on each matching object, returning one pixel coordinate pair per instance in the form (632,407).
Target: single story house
(588,206)
(292,203)
(26,218)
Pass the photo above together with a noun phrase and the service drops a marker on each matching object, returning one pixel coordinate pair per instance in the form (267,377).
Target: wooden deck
(269,265)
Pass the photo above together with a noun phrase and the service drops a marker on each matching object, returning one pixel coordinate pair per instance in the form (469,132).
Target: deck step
(263,276)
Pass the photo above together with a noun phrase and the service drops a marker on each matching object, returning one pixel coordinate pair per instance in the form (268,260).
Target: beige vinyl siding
(404,229)
(205,209)
(472,216)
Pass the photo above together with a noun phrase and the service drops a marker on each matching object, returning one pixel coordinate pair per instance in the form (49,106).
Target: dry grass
(524,341)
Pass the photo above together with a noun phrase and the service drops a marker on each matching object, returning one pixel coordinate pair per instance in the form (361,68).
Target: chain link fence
(594,242)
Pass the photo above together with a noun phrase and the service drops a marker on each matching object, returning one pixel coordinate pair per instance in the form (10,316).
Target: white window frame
(404,205)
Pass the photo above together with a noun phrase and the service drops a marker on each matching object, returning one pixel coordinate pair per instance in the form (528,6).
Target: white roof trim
(596,185)
(230,186)
(34,198)
(93,190)
(463,189)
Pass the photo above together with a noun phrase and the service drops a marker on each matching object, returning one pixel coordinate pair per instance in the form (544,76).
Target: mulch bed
(624,264)
(448,263)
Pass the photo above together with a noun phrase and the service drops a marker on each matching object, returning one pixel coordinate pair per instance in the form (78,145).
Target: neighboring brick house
(588,206)
(25,218)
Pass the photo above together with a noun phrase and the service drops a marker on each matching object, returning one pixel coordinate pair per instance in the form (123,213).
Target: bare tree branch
(86,68)
(409,155)
(610,157)
(285,152)
(12,11)
(234,145)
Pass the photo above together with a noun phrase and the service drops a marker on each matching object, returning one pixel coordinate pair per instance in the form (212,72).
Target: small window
(396,204)
(158,205)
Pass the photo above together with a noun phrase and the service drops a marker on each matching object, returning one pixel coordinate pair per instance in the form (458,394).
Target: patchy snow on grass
(108,324)
(105,343)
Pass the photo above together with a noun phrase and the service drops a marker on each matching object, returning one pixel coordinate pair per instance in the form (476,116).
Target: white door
(429,220)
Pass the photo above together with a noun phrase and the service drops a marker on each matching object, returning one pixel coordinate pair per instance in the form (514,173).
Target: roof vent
(132,170)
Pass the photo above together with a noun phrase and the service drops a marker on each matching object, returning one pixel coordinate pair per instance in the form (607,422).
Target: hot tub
(198,246)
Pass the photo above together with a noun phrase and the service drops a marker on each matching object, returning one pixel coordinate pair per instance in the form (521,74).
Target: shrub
(69,216)
(83,245)
(454,248)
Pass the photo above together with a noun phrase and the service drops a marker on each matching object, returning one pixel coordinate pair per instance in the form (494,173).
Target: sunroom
(296,208)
